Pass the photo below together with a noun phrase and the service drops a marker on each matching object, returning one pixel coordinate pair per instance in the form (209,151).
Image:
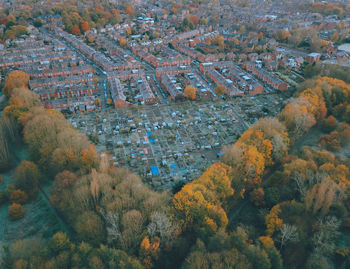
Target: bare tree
(161,226)
(324,240)
(322,196)
(289,233)
(113,227)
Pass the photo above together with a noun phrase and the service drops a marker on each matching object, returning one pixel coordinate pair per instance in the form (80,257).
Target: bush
(19,197)
(16,211)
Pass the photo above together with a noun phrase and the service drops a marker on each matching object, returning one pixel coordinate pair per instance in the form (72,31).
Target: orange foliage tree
(76,30)
(149,252)
(85,26)
(190,92)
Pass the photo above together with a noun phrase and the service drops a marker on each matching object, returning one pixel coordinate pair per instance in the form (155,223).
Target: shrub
(19,197)
(16,211)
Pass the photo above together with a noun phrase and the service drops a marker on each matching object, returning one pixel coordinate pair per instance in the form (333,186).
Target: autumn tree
(199,204)
(282,35)
(320,198)
(75,30)
(123,42)
(16,79)
(329,124)
(62,190)
(89,227)
(257,197)
(27,176)
(84,26)
(220,90)
(130,10)
(273,220)
(190,92)
(149,251)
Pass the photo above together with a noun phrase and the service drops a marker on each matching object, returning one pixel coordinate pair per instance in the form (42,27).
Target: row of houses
(65,91)
(126,74)
(122,60)
(84,103)
(173,70)
(146,94)
(96,56)
(167,81)
(235,76)
(270,79)
(117,91)
(68,71)
(61,80)
(29,59)
(219,79)
(162,61)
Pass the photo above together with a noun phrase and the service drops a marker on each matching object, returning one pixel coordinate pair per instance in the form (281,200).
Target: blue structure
(155,170)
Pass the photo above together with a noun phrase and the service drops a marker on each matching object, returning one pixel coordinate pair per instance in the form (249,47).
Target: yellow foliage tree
(190,92)
(199,204)
(16,79)
(273,221)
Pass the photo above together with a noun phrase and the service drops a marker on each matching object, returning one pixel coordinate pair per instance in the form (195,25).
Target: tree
(89,158)
(272,252)
(162,227)
(27,177)
(85,26)
(76,30)
(320,198)
(16,79)
(190,92)
(289,233)
(203,21)
(62,190)
(16,211)
(220,90)
(149,251)
(130,10)
(282,35)
(258,257)
(89,227)
(273,220)
(123,42)
(329,124)
(59,243)
(196,212)
(257,197)
(194,19)
(324,239)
